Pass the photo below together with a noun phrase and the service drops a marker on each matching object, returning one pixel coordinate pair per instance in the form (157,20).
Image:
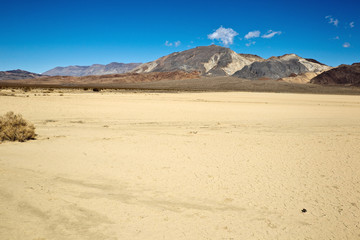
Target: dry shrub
(26,89)
(14,128)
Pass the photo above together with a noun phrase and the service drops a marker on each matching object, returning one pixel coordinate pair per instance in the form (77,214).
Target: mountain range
(220,61)
(216,61)
(95,69)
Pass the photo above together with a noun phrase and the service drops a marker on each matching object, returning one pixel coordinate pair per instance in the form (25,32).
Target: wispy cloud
(271,34)
(346,45)
(250,43)
(224,35)
(332,20)
(253,34)
(352,24)
(170,44)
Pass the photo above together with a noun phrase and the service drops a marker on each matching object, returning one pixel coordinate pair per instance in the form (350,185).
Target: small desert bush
(14,128)
(26,89)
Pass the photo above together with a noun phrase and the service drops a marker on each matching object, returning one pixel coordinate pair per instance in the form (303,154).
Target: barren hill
(17,74)
(344,74)
(210,60)
(280,67)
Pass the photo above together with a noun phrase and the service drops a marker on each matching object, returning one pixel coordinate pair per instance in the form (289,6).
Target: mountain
(210,60)
(95,69)
(344,74)
(17,74)
(280,67)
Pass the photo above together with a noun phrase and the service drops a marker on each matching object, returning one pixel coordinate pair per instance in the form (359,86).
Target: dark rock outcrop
(280,67)
(343,75)
(272,69)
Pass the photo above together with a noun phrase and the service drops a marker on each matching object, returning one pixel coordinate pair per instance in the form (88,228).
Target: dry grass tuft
(14,128)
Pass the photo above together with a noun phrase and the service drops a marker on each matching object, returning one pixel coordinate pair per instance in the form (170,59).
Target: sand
(122,165)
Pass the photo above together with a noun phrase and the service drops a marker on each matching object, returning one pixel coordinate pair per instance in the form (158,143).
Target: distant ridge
(209,61)
(17,74)
(105,80)
(95,69)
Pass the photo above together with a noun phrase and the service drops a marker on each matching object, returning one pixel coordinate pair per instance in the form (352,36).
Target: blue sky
(39,35)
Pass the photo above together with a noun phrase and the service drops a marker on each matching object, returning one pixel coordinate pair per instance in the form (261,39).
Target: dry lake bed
(147,165)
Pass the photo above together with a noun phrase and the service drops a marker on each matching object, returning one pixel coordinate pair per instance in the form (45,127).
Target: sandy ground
(182,166)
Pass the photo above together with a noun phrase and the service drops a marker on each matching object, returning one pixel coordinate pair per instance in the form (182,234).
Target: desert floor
(123,165)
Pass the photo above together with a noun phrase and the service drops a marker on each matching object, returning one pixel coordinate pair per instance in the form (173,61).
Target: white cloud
(352,24)
(346,45)
(225,35)
(332,20)
(253,34)
(271,34)
(170,44)
(250,43)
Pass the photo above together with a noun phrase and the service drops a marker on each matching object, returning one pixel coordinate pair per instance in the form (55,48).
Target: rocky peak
(210,60)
